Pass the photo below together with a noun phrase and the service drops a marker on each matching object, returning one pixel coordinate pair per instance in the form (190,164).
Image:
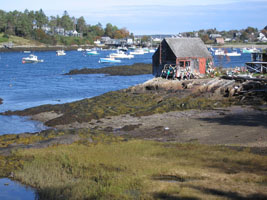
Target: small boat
(31,59)
(26,51)
(137,52)
(108,60)
(122,49)
(88,50)
(219,52)
(121,54)
(152,50)
(233,53)
(252,50)
(61,53)
(92,53)
(80,49)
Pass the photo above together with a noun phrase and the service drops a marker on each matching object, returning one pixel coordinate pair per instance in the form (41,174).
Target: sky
(146,17)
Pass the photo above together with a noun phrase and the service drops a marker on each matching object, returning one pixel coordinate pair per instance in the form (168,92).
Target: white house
(262,37)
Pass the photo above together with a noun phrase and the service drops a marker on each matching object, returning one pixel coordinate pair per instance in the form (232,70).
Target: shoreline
(43,48)
(158,131)
(75,47)
(158,103)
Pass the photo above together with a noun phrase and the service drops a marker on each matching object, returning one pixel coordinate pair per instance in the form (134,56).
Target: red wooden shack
(190,54)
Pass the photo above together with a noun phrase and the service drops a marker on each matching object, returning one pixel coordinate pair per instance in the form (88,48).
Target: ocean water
(12,190)
(28,85)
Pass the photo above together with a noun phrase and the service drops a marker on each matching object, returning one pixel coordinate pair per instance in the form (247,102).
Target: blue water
(232,61)
(28,85)
(11,190)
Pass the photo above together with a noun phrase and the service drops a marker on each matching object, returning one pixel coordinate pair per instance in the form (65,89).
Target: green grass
(112,168)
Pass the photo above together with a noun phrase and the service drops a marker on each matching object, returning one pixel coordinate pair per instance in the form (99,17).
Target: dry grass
(18,41)
(143,170)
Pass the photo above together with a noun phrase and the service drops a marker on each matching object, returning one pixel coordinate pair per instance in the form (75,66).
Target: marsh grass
(117,169)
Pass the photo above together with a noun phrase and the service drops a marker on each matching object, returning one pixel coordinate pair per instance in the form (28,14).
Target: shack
(183,55)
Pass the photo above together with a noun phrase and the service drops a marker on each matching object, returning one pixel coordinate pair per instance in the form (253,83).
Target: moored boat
(121,54)
(31,59)
(137,52)
(219,52)
(233,53)
(61,53)
(92,53)
(252,50)
(109,60)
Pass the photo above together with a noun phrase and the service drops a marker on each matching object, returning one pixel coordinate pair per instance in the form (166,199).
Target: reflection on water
(12,190)
(17,124)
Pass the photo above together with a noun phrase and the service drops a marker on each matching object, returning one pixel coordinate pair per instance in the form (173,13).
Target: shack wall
(163,55)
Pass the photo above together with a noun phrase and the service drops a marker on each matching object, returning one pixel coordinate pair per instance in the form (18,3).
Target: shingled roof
(188,47)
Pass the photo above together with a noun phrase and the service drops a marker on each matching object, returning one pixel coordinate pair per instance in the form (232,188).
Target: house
(188,54)
(262,38)
(59,31)
(104,40)
(214,36)
(46,29)
(219,40)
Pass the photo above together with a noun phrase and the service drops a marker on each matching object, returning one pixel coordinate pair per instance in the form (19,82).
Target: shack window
(187,63)
(184,63)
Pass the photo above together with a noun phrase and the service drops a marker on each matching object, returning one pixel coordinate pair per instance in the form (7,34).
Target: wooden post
(160,62)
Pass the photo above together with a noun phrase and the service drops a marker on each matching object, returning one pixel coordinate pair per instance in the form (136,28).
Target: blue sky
(155,16)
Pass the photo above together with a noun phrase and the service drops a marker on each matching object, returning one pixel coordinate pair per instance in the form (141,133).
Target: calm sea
(27,85)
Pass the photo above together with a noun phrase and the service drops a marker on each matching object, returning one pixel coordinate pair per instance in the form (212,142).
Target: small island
(123,70)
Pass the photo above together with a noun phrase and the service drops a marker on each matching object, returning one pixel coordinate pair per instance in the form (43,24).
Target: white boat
(146,50)
(121,54)
(88,50)
(80,49)
(137,52)
(252,50)
(219,52)
(61,53)
(31,59)
(92,53)
(109,60)
(233,53)
(27,51)
(122,49)
(152,50)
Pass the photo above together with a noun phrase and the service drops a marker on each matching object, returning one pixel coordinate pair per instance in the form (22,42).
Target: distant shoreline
(262,46)
(43,48)
(75,47)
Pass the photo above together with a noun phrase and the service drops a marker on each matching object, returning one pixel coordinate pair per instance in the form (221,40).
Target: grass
(113,168)
(18,40)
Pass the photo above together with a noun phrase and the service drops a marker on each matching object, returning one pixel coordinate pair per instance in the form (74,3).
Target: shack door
(202,65)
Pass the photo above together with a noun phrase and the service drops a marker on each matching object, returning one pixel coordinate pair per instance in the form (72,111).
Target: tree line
(29,24)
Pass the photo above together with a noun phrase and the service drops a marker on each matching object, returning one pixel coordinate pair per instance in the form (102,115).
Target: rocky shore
(169,110)
(163,139)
